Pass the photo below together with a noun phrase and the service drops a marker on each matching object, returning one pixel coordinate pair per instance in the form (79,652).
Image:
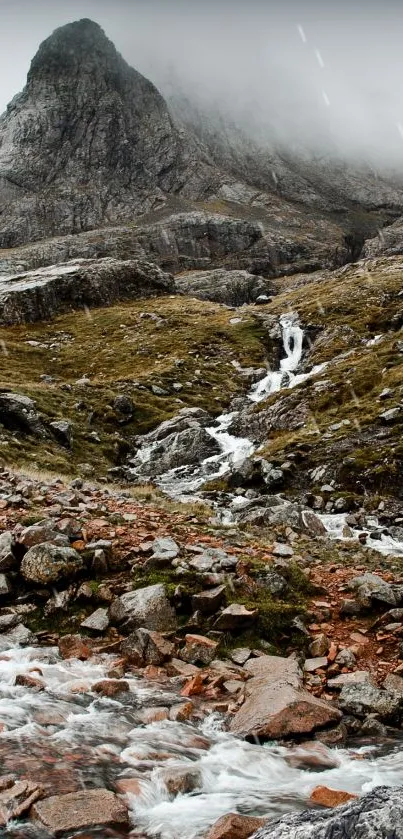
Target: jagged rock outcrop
(379,813)
(388,242)
(88,142)
(232,287)
(39,294)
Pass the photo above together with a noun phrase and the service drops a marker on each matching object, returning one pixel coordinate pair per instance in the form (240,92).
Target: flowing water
(67,736)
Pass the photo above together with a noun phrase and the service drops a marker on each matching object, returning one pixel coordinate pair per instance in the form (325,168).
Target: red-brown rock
(233,826)
(73,646)
(87,808)
(330,797)
(111,687)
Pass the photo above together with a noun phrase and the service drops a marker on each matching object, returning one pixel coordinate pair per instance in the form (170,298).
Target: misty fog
(323,76)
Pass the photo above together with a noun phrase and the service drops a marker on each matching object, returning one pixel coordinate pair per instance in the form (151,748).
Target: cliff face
(88,142)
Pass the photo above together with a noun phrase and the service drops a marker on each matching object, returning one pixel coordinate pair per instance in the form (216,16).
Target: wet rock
(208,601)
(330,797)
(7,622)
(48,563)
(27,681)
(73,646)
(235,616)
(17,799)
(182,712)
(97,622)
(276,705)
(364,698)
(145,647)
(234,826)
(199,649)
(147,607)
(179,780)
(19,634)
(111,687)
(78,810)
(62,430)
(379,813)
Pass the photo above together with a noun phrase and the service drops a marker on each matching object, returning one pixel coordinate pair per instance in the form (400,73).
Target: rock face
(380,813)
(232,287)
(88,141)
(276,705)
(18,413)
(37,295)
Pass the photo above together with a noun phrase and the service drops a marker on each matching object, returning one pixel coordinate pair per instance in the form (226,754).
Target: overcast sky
(324,72)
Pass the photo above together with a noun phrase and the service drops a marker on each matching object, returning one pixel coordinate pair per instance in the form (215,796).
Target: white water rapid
(337,528)
(185,480)
(67,736)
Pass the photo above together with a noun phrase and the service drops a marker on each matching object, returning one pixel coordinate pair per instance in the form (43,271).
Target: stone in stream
(146,607)
(77,810)
(111,687)
(375,815)
(16,798)
(47,563)
(74,646)
(276,705)
(235,826)
(19,634)
(330,797)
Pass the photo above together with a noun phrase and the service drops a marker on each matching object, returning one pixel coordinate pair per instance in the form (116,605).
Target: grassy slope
(187,342)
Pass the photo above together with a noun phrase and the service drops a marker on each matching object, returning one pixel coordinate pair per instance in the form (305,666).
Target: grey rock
(18,413)
(371,588)
(97,622)
(5,586)
(18,635)
(7,559)
(372,816)
(39,294)
(63,431)
(241,655)
(165,548)
(358,677)
(8,622)
(364,698)
(312,664)
(391,415)
(345,658)
(394,684)
(231,287)
(235,616)
(281,550)
(144,647)
(147,607)
(46,563)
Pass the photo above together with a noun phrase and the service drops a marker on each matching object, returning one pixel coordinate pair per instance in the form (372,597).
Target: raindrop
(301,33)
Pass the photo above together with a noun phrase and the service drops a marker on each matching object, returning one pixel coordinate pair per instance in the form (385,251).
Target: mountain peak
(78,44)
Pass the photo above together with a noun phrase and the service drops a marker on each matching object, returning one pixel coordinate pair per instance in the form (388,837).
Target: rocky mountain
(88,142)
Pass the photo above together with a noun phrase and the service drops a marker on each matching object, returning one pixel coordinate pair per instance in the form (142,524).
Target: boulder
(145,647)
(371,589)
(276,705)
(147,607)
(364,698)
(183,448)
(199,649)
(330,797)
(97,622)
(63,432)
(111,687)
(208,601)
(73,646)
(234,826)
(46,563)
(18,413)
(372,816)
(78,810)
